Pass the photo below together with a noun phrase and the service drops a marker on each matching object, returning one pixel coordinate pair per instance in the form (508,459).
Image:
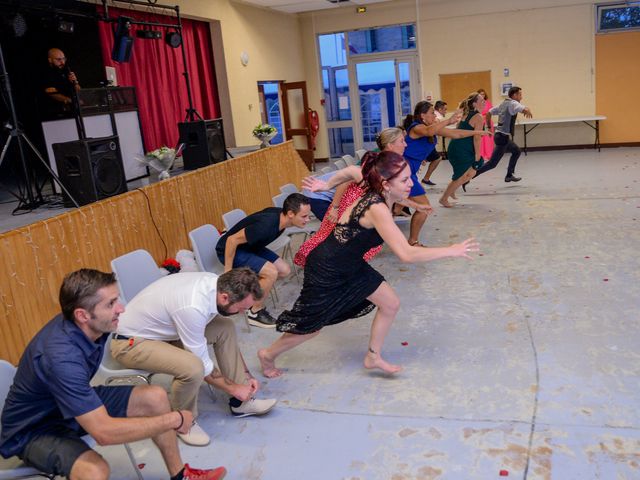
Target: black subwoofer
(90,169)
(203,143)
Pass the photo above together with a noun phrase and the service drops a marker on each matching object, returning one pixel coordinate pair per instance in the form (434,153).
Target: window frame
(601,7)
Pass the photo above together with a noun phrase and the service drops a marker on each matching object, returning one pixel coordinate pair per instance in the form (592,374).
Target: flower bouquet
(264,132)
(171,265)
(160,159)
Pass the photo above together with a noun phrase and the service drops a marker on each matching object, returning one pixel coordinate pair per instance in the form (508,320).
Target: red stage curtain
(156,70)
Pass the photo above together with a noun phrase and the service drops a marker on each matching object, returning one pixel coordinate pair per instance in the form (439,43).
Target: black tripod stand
(27,199)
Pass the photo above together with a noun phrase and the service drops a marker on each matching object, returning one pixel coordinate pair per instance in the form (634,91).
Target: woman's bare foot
(268,365)
(445,203)
(374,360)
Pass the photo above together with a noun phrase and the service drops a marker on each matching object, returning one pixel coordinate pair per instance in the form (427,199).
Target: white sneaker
(196,437)
(254,407)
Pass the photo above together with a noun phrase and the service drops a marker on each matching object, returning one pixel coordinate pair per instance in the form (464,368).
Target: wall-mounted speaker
(90,169)
(203,143)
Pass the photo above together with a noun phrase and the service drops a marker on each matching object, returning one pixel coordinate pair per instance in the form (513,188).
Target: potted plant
(265,132)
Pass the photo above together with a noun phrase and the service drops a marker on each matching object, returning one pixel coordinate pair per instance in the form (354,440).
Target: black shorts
(56,451)
(434,155)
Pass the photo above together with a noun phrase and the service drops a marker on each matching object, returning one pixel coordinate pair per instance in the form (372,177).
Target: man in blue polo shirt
(51,404)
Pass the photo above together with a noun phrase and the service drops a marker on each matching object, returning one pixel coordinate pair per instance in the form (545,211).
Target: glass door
(386,93)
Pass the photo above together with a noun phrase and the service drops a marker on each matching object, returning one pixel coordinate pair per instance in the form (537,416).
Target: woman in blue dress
(422,131)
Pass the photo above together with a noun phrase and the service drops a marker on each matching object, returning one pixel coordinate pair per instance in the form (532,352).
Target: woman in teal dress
(464,153)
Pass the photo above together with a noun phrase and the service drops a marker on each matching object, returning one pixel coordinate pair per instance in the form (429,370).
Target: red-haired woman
(338,283)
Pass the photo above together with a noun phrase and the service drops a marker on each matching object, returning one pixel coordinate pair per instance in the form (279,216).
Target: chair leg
(212,392)
(294,266)
(246,321)
(274,296)
(133,461)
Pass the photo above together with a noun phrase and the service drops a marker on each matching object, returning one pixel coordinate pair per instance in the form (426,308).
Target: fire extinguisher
(314,126)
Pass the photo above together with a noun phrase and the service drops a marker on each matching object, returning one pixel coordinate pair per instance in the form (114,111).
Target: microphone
(67,71)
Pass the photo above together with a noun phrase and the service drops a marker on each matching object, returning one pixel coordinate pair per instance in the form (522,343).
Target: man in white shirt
(507,112)
(166,329)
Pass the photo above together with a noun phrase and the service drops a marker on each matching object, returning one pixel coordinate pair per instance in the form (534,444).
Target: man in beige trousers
(166,329)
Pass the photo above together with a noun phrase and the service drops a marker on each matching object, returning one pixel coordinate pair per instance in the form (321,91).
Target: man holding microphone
(60,84)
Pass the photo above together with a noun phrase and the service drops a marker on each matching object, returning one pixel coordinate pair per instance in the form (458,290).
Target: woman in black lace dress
(339,284)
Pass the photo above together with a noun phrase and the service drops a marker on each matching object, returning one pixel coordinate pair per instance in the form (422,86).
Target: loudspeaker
(203,143)
(90,169)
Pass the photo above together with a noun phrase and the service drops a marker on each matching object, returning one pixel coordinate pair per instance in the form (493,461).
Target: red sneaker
(197,474)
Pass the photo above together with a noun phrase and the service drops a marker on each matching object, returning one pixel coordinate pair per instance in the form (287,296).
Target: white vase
(265,138)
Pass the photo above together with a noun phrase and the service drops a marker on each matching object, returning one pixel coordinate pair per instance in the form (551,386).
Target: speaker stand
(32,204)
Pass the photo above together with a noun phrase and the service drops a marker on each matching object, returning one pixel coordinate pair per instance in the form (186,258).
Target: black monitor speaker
(203,143)
(90,169)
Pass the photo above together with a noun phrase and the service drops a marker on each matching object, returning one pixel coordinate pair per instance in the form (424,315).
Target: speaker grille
(203,143)
(90,169)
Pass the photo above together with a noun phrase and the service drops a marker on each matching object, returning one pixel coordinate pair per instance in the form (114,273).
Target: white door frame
(398,57)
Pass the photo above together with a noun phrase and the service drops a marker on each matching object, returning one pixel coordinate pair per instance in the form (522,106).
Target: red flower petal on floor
(504,473)
(605,279)
(587,256)
(404,344)
(141,465)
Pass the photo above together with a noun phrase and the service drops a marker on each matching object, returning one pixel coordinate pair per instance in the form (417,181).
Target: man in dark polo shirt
(51,405)
(244,245)
(59,84)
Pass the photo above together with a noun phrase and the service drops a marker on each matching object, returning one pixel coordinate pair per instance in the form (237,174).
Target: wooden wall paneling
(35,258)
(166,209)
(11,341)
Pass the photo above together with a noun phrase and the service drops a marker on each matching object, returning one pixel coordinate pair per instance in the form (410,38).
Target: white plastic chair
(340,164)
(134,271)
(359,154)
(349,160)
(288,189)
(203,241)
(112,371)
(13,468)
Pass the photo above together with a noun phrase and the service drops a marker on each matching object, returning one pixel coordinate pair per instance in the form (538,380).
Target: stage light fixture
(19,25)
(122,41)
(66,26)
(150,34)
(173,39)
